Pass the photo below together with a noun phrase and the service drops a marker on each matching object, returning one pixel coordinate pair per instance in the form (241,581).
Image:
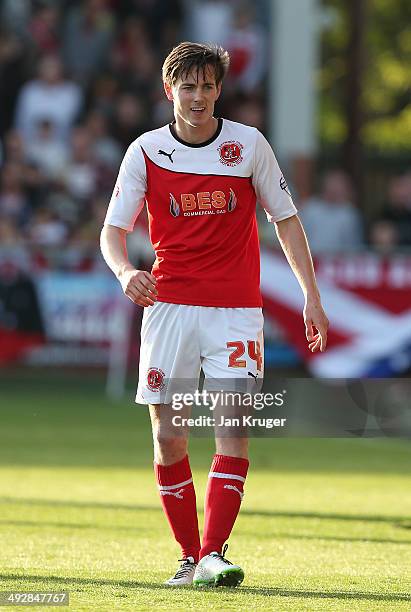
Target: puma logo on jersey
(255,376)
(203,203)
(161,152)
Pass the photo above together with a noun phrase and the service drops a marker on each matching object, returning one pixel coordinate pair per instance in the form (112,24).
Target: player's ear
(218,90)
(168,91)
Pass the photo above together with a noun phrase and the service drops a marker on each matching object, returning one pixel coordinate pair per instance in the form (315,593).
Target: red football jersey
(201,203)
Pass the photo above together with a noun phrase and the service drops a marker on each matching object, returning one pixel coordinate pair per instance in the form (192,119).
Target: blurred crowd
(333,222)
(80,80)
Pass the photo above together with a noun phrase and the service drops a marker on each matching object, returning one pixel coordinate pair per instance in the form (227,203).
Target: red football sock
(223,498)
(178,498)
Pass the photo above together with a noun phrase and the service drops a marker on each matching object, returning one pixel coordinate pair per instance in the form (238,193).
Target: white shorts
(178,340)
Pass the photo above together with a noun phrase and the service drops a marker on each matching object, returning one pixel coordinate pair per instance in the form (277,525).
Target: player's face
(194,97)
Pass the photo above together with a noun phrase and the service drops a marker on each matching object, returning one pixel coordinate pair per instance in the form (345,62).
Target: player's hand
(139,286)
(316,325)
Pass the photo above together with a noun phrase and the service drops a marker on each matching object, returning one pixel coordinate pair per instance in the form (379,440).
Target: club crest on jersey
(203,203)
(155,379)
(231,153)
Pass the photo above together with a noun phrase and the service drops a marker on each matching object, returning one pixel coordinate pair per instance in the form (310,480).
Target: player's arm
(273,194)
(294,243)
(138,285)
(125,205)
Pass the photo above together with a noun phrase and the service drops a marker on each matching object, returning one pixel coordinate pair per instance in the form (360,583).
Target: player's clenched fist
(139,286)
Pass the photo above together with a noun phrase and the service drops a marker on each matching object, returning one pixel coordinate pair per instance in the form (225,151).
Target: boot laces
(185,568)
(222,558)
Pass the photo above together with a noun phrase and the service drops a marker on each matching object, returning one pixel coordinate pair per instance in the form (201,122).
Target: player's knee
(164,440)
(168,448)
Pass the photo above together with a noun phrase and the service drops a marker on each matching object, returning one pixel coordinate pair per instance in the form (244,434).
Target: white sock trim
(175,486)
(222,475)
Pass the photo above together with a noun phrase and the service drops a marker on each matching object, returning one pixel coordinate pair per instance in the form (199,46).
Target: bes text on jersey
(202,203)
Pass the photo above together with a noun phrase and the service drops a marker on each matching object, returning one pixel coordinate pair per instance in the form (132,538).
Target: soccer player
(200,178)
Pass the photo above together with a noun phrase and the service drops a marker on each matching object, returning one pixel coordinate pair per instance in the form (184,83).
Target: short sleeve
(269,184)
(128,196)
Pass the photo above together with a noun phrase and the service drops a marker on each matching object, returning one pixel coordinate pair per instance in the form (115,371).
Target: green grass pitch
(325,524)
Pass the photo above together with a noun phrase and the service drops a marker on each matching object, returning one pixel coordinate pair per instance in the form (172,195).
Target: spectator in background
(44,29)
(87,36)
(51,98)
(383,236)
(131,41)
(14,63)
(130,119)
(247,109)
(104,94)
(14,148)
(46,229)
(134,60)
(33,181)
(397,211)
(35,184)
(14,204)
(10,235)
(87,235)
(161,20)
(80,174)
(162,111)
(47,152)
(138,77)
(246,43)
(63,205)
(106,150)
(331,221)
(15,16)
(208,20)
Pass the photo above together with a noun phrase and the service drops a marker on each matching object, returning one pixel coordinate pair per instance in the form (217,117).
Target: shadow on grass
(59,525)
(328,516)
(127,528)
(403,521)
(319,537)
(264,591)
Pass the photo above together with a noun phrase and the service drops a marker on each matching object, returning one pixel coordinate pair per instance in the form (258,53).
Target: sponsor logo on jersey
(231,153)
(174,207)
(284,186)
(203,203)
(155,379)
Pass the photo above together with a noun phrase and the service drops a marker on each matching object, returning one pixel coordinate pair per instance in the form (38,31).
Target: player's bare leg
(175,483)
(233,447)
(170,442)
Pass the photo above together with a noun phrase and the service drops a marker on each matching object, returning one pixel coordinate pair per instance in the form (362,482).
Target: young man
(200,178)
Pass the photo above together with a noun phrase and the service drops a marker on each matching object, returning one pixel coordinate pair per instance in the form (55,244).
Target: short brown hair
(188,56)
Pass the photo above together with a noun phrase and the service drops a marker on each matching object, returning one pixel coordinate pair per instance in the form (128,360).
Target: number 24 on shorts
(254,352)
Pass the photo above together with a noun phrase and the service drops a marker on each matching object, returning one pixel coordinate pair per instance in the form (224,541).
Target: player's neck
(195,135)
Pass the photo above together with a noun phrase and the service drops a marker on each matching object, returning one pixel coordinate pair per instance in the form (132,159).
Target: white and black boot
(185,573)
